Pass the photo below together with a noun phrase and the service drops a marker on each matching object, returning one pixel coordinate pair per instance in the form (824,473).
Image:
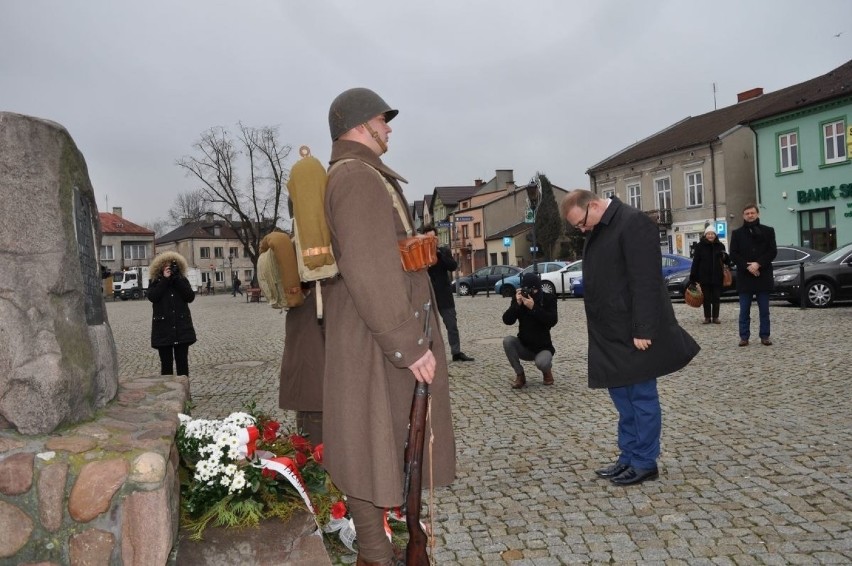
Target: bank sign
(824,193)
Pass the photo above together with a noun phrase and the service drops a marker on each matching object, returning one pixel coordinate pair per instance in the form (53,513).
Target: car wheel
(548,287)
(507,290)
(464,289)
(820,294)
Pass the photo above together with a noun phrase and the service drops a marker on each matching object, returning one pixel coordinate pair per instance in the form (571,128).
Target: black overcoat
(707,263)
(172,322)
(753,242)
(439,275)
(626,298)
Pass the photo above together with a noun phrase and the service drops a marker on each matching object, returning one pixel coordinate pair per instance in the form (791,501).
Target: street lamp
(533,190)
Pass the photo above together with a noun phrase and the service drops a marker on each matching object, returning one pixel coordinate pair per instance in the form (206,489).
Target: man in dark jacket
(752,250)
(439,274)
(634,337)
(535,312)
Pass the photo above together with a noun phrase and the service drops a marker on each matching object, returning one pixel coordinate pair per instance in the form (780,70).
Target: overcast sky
(551,86)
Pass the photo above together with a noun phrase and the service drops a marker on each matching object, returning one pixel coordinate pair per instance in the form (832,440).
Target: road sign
(464,218)
(722,228)
(529,216)
(443,224)
(507,241)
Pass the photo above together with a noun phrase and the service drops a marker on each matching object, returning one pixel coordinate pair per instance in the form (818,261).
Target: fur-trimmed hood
(165,258)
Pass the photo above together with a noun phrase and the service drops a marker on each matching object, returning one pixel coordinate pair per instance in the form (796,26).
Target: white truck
(133,283)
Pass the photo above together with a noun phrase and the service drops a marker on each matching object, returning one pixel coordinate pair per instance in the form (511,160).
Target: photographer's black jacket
(172,321)
(534,324)
(439,274)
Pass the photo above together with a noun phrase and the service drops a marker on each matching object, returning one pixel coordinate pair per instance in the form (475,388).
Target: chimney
(478,182)
(208,216)
(117,211)
(749,94)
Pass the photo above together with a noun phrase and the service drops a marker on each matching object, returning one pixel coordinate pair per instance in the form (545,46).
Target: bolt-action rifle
(415,551)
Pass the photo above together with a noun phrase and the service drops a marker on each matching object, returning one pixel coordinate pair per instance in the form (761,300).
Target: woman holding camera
(171,327)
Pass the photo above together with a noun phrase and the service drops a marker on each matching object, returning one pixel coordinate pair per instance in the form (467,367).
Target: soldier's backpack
(278,273)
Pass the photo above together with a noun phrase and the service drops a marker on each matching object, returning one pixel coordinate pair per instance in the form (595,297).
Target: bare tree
(159,226)
(243,180)
(188,207)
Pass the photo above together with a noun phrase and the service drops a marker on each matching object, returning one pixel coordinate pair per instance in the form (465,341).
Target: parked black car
(827,280)
(484,278)
(787,255)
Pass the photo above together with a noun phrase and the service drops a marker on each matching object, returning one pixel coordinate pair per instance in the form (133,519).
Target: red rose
(270,431)
(338,510)
(300,443)
(301,459)
(267,473)
(317,454)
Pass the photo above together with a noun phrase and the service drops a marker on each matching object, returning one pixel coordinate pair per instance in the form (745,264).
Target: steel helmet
(356,106)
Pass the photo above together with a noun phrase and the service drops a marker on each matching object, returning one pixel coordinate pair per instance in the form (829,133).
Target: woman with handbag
(708,264)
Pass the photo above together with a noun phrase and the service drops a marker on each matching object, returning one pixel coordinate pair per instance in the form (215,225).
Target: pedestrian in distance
(237,284)
(707,265)
(170,293)
(634,337)
(377,338)
(536,313)
(439,275)
(752,250)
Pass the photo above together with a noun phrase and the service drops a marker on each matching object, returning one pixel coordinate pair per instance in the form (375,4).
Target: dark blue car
(671,264)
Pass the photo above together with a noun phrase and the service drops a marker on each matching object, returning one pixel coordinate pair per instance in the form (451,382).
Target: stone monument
(58,362)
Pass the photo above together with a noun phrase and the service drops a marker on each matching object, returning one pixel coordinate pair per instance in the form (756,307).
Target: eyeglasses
(582,223)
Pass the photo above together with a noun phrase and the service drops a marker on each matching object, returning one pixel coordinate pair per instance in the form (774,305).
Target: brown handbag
(727,276)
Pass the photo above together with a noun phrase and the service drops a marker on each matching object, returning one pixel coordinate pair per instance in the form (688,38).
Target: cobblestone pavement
(756,454)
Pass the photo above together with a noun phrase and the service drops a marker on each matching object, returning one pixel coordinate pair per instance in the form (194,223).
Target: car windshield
(836,254)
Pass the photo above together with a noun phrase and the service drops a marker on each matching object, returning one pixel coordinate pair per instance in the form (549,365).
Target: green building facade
(804,174)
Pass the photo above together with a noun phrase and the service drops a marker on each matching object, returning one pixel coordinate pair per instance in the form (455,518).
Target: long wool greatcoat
(303,361)
(626,298)
(374,319)
(171,322)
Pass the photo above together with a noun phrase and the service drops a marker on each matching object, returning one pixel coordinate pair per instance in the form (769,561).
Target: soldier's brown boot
(548,377)
(520,381)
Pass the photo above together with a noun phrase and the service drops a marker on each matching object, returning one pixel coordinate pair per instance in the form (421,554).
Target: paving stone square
(756,445)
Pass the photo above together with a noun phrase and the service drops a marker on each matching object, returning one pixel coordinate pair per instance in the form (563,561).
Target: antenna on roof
(714,96)
(107,203)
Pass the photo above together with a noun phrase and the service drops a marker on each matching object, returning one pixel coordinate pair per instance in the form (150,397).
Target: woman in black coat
(706,270)
(171,327)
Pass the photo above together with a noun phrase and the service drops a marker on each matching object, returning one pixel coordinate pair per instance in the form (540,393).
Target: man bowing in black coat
(634,337)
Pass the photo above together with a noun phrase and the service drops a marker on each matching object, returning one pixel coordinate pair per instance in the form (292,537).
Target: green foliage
(548,225)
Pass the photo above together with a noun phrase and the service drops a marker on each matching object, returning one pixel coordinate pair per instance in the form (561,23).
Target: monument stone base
(105,491)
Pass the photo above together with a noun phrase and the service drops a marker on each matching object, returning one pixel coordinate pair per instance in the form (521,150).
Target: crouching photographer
(535,312)
(170,293)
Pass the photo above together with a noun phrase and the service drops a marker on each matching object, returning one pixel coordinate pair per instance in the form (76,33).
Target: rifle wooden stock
(415,551)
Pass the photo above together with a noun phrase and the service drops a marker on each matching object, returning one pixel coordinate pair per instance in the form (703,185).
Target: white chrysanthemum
(229,470)
(184,418)
(238,483)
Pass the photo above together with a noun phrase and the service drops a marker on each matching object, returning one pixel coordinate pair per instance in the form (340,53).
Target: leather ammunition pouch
(418,252)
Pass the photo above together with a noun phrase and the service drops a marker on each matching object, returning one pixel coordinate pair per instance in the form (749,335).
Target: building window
(107,253)
(818,229)
(247,274)
(135,251)
(477,230)
(232,252)
(634,196)
(607,193)
(219,253)
(694,189)
(834,142)
(220,276)
(663,190)
(205,253)
(465,232)
(788,152)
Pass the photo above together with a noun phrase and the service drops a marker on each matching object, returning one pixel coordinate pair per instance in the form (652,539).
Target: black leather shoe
(633,476)
(462,357)
(612,471)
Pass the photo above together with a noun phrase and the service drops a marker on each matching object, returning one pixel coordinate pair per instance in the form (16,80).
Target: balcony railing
(662,216)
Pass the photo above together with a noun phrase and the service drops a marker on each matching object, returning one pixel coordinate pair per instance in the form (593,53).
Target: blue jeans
(640,423)
(745,314)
